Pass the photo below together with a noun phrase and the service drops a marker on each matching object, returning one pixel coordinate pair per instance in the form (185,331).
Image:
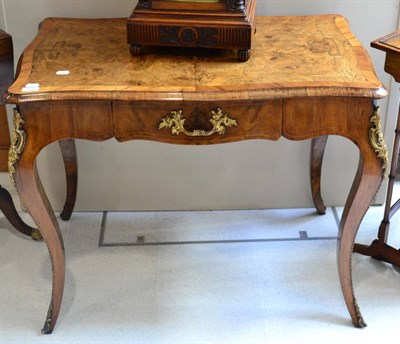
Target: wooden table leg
(68,151)
(318,145)
(32,194)
(10,212)
(366,184)
(38,205)
(357,120)
(379,249)
(6,203)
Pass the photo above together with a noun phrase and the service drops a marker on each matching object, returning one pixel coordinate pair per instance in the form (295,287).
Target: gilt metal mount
(219,120)
(377,141)
(17,144)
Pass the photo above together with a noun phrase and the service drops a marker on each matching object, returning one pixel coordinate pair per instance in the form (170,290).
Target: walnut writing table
(309,77)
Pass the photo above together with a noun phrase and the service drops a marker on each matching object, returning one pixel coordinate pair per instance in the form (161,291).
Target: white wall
(257,174)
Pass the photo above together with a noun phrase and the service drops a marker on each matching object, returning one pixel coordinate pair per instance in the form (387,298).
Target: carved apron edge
(377,140)
(17,146)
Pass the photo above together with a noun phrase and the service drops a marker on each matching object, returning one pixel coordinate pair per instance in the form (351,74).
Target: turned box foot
(136,49)
(244,55)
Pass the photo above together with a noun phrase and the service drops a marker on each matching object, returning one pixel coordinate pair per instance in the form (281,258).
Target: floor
(259,276)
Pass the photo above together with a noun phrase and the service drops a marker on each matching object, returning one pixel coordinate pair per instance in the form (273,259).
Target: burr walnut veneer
(308,77)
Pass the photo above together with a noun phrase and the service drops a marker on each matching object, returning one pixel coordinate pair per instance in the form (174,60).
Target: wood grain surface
(291,57)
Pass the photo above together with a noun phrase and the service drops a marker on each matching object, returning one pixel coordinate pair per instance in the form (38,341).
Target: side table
(379,248)
(309,77)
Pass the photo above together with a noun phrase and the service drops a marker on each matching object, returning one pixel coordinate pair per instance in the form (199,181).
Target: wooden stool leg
(318,145)
(68,151)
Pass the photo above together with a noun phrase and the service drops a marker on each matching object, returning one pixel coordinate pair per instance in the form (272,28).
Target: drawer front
(193,123)
(55,120)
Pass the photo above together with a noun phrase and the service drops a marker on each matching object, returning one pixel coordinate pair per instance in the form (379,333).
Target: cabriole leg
(10,212)
(68,151)
(24,174)
(38,205)
(365,186)
(317,151)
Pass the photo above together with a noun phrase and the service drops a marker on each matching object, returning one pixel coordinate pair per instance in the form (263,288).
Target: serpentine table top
(308,77)
(291,57)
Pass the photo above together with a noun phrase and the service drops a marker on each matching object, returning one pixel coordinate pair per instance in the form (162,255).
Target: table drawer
(197,123)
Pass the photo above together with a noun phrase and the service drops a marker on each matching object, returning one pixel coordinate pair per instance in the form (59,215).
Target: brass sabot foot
(36,235)
(359,322)
(47,329)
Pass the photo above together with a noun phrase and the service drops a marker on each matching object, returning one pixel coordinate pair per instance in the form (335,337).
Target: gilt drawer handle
(219,120)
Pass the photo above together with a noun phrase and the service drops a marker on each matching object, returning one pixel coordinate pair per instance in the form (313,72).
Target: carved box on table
(219,24)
